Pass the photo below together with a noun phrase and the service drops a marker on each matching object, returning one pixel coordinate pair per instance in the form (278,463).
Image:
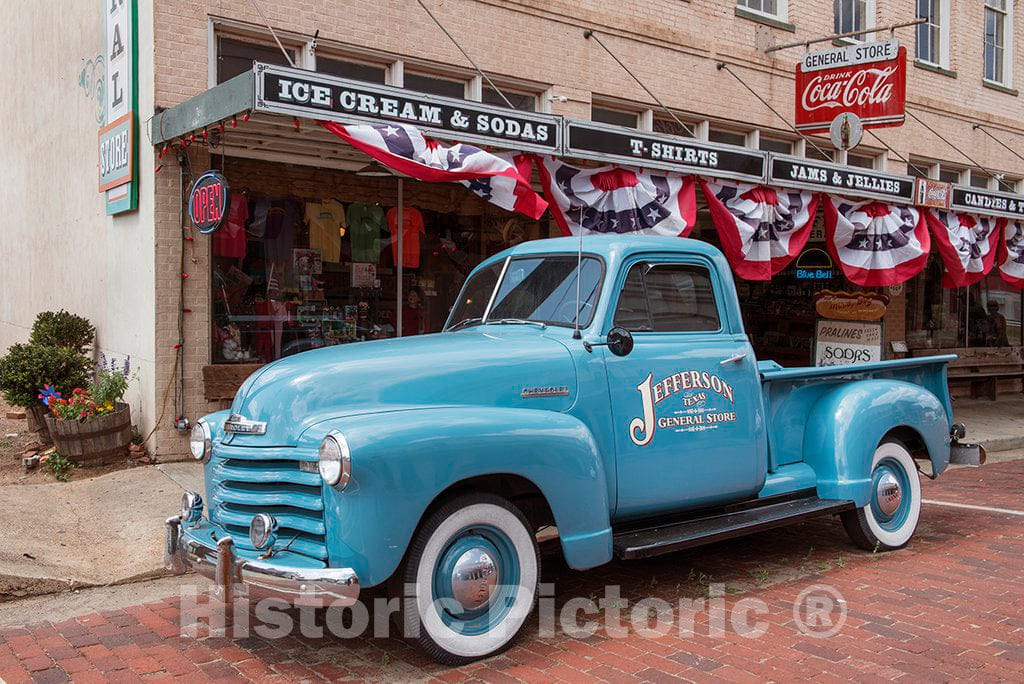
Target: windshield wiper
(517,321)
(463,323)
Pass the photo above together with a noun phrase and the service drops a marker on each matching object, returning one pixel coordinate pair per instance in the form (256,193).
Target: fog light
(191,509)
(263,531)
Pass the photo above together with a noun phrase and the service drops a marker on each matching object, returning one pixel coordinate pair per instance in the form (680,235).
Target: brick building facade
(537,51)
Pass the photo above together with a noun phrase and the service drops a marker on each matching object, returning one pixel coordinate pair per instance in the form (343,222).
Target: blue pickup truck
(604,387)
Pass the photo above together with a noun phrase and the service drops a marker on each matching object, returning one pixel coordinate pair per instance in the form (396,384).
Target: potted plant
(93,425)
(28,367)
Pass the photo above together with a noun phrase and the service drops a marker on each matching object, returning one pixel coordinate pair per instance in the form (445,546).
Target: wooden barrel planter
(94,442)
(36,418)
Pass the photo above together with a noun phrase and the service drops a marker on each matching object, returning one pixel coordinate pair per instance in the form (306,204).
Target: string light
(298,124)
(234,122)
(245,117)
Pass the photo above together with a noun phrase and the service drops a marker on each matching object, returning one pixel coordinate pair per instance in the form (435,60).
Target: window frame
(1007,47)
(943,47)
(781,9)
(655,261)
(870,8)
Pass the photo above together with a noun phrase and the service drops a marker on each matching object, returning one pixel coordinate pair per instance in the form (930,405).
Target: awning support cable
(965,155)
(723,66)
(465,54)
(589,33)
(979,127)
(270,28)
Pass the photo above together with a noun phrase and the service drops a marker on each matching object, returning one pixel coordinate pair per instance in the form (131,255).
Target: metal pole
(848,34)
(401,258)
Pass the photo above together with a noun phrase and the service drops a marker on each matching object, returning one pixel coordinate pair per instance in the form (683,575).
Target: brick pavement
(949,606)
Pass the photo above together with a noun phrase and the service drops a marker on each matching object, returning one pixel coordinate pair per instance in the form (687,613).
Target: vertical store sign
(118,175)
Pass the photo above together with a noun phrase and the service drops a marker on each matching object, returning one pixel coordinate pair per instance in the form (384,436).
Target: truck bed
(791,393)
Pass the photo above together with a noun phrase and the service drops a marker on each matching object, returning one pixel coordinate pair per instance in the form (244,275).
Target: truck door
(689,429)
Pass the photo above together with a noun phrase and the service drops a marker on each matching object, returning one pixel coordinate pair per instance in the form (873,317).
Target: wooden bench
(986,370)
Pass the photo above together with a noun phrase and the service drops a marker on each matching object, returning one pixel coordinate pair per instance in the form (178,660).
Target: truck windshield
(540,289)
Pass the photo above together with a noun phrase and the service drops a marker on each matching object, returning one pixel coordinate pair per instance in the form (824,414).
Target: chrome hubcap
(888,494)
(474,579)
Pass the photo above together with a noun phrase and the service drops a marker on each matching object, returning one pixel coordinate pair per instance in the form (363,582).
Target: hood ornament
(237,424)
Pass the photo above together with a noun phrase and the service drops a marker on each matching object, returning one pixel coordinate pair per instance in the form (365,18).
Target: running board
(654,541)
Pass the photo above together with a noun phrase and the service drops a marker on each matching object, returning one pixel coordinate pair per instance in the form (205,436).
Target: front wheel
(890,518)
(472,570)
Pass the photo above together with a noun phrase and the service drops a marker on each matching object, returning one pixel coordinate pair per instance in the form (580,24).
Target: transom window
(236,56)
(613,116)
(667,298)
(997,15)
(428,83)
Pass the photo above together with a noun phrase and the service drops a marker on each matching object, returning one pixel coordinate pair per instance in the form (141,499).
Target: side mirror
(619,342)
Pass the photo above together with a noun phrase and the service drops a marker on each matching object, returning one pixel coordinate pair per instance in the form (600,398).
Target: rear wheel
(473,569)
(890,518)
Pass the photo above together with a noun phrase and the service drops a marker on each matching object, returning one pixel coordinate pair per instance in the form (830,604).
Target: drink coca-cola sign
(867,79)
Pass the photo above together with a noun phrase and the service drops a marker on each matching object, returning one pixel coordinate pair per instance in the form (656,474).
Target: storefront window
(673,127)
(235,57)
(860,160)
(308,259)
(986,314)
(773,145)
(727,137)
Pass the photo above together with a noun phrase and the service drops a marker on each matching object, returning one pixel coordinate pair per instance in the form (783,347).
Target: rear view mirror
(619,342)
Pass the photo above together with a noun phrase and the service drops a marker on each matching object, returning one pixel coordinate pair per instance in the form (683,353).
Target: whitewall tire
(470,579)
(890,518)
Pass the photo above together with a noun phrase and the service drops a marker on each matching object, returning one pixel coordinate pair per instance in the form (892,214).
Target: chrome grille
(248,481)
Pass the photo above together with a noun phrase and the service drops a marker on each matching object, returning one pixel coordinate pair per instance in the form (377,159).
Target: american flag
(405,149)
(876,244)
(615,200)
(966,243)
(762,229)
(1011,254)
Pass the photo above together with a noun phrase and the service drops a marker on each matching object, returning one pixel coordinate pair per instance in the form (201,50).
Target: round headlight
(191,508)
(335,460)
(263,530)
(199,442)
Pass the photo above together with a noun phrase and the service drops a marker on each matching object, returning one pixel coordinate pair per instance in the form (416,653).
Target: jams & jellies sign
(866,79)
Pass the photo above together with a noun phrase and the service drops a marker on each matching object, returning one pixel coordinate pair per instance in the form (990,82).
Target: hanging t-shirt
(229,240)
(326,221)
(412,221)
(365,221)
(280,236)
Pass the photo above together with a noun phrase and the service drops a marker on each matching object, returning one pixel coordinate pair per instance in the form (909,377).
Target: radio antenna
(579,273)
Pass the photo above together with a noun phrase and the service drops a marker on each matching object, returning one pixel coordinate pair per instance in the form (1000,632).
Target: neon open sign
(209,201)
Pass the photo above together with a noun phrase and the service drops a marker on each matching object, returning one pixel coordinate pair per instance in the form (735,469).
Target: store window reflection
(308,259)
(986,314)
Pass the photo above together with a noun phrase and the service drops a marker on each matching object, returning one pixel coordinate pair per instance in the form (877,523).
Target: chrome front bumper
(297,586)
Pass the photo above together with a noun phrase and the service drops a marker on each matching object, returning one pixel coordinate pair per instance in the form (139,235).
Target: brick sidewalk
(949,606)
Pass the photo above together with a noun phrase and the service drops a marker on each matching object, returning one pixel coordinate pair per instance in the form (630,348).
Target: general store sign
(972,200)
(601,142)
(294,92)
(867,79)
(117,143)
(797,172)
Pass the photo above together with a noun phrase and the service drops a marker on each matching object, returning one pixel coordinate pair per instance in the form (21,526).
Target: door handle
(732,359)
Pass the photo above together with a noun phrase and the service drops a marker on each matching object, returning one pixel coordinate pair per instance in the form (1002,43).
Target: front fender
(848,422)
(402,460)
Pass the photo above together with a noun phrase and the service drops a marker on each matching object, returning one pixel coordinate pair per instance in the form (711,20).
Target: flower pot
(35,416)
(99,441)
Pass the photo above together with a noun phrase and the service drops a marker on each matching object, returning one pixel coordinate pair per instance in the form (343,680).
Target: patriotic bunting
(761,229)
(611,200)
(1011,254)
(876,244)
(966,243)
(404,148)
